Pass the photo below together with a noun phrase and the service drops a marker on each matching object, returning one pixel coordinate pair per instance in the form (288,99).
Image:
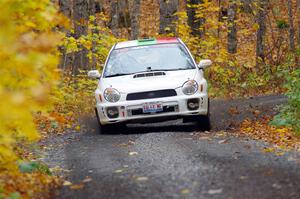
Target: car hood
(129,84)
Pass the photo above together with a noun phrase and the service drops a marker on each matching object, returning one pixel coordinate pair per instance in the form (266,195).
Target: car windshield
(148,58)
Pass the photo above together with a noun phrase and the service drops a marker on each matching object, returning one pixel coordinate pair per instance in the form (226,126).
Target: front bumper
(173,107)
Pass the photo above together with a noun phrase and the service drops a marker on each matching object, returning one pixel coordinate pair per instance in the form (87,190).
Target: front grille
(166,109)
(151,94)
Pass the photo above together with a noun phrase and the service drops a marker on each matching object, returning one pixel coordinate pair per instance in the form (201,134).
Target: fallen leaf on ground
(29,185)
(125,144)
(56,169)
(67,183)
(67,170)
(291,159)
(77,186)
(87,179)
(223,141)
(268,150)
(243,177)
(233,111)
(204,138)
(133,153)
(256,112)
(131,142)
(215,191)
(279,153)
(185,191)
(77,128)
(283,138)
(221,134)
(119,171)
(141,179)
(276,186)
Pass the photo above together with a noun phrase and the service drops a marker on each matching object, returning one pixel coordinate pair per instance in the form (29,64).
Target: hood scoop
(150,74)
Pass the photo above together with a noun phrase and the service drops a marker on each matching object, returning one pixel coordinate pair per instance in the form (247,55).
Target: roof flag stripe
(145,42)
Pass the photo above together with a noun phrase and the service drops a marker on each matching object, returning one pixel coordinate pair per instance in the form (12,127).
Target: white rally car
(151,80)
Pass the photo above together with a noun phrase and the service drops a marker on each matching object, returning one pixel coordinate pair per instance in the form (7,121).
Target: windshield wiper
(123,74)
(118,74)
(177,69)
(173,69)
(155,70)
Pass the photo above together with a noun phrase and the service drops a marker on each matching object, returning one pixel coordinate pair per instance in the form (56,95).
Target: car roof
(146,42)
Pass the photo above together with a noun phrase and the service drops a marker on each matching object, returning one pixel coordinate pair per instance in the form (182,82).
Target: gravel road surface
(174,160)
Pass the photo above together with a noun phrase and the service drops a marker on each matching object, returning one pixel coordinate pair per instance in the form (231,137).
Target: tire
(203,121)
(109,128)
(103,129)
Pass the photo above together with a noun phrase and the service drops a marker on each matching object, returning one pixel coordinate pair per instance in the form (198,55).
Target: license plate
(152,107)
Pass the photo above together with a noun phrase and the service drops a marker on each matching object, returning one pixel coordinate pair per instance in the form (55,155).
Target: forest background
(47,47)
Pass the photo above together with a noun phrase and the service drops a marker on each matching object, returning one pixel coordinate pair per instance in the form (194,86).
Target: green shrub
(290,113)
(281,24)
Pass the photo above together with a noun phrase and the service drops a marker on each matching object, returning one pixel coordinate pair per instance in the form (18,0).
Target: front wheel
(102,129)
(109,128)
(203,121)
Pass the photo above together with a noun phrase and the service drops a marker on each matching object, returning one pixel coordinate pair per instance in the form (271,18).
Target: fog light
(112,112)
(193,104)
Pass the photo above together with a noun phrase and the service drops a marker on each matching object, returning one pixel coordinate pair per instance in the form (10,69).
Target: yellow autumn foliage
(28,63)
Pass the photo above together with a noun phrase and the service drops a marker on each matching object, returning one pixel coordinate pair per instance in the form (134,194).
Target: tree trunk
(260,40)
(291,26)
(82,10)
(193,22)
(246,6)
(120,17)
(298,6)
(125,14)
(219,17)
(232,29)
(134,18)
(114,25)
(167,11)
(80,17)
(93,9)
(65,7)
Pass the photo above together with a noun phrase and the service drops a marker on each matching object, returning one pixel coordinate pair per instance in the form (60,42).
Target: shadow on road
(225,115)
(170,126)
(147,161)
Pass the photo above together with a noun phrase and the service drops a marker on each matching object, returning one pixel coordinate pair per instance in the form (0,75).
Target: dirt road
(173,160)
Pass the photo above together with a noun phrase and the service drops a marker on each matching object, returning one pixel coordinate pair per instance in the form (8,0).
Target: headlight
(112,95)
(190,87)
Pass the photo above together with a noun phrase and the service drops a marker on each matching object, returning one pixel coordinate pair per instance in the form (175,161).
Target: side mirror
(205,63)
(94,74)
